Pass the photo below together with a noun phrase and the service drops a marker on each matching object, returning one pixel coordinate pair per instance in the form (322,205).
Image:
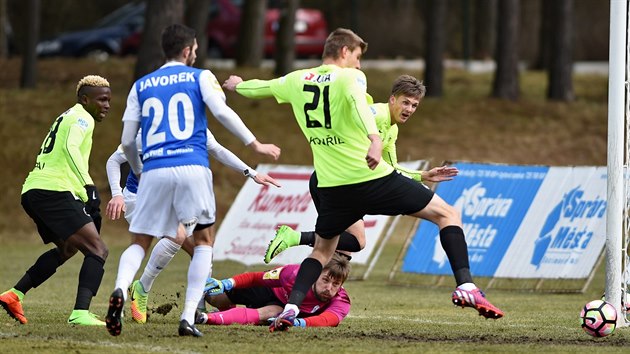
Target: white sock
(467,286)
(198,272)
(128,266)
(160,257)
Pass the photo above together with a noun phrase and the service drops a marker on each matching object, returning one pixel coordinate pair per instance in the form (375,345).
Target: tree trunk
(29,60)
(544,34)
(285,38)
(197,18)
(506,83)
(251,36)
(159,15)
(436,40)
(4,36)
(561,56)
(485,19)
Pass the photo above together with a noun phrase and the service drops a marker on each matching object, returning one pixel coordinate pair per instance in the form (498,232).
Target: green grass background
(465,124)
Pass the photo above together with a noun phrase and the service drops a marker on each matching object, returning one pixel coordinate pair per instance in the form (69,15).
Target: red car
(224,19)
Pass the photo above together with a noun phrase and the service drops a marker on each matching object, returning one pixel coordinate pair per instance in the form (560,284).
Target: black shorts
(57,215)
(341,206)
(254,298)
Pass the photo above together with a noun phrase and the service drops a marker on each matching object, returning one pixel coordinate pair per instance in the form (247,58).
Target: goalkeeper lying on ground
(264,294)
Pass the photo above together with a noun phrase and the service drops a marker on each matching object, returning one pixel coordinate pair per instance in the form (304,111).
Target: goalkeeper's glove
(297,322)
(216,287)
(93,205)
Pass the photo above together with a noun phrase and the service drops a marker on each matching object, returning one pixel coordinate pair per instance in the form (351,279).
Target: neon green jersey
(62,162)
(330,106)
(389,135)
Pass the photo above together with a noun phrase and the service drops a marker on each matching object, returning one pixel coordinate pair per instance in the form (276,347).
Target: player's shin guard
(162,254)
(309,271)
(198,272)
(44,268)
(454,244)
(90,277)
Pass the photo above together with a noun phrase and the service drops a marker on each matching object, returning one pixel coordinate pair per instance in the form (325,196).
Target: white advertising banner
(258,210)
(564,231)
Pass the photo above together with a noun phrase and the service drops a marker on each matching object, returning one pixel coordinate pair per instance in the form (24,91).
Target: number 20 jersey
(173,118)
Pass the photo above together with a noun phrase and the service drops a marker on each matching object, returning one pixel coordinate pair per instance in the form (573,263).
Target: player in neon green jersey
(406,95)
(331,107)
(60,196)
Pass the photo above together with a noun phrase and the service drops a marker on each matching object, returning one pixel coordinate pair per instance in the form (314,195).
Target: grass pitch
(384,317)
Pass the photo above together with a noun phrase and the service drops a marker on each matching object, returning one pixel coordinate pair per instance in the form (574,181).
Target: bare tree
(561,55)
(544,42)
(29,59)
(285,38)
(4,35)
(484,35)
(159,14)
(197,18)
(436,41)
(251,36)
(506,83)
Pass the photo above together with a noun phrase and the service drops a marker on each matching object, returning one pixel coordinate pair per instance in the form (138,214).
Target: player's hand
(265,179)
(231,82)
(375,151)
(115,208)
(217,287)
(266,149)
(93,205)
(297,322)
(440,174)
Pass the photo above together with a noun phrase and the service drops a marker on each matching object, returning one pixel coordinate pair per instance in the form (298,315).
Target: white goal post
(618,153)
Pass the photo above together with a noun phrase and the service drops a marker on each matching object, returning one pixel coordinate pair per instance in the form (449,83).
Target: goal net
(618,190)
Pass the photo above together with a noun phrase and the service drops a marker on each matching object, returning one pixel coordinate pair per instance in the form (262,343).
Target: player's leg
(453,241)
(350,240)
(195,208)
(161,255)
(44,267)
(260,304)
(153,216)
(130,261)
(88,241)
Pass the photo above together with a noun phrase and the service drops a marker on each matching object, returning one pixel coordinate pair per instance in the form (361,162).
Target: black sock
(304,280)
(454,244)
(45,266)
(307,238)
(90,277)
(347,241)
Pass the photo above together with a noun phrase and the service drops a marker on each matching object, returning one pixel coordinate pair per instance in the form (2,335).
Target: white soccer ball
(598,318)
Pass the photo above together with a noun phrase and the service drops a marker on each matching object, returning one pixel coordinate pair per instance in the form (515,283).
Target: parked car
(224,19)
(102,40)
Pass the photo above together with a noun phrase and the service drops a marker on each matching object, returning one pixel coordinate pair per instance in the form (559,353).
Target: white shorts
(130,204)
(173,195)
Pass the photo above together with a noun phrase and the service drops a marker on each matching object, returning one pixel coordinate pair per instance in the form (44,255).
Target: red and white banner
(258,210)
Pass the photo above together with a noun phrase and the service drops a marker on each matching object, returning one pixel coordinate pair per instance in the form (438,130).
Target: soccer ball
(598,318)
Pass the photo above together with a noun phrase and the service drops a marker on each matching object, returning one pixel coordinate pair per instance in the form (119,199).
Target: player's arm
(251,88)
(131,125)
(78,164)
(356,94)
(228,158)
(214,98)
(116,205)
(324,319)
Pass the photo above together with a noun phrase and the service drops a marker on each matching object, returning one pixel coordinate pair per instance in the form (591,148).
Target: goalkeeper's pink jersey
(281,281)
